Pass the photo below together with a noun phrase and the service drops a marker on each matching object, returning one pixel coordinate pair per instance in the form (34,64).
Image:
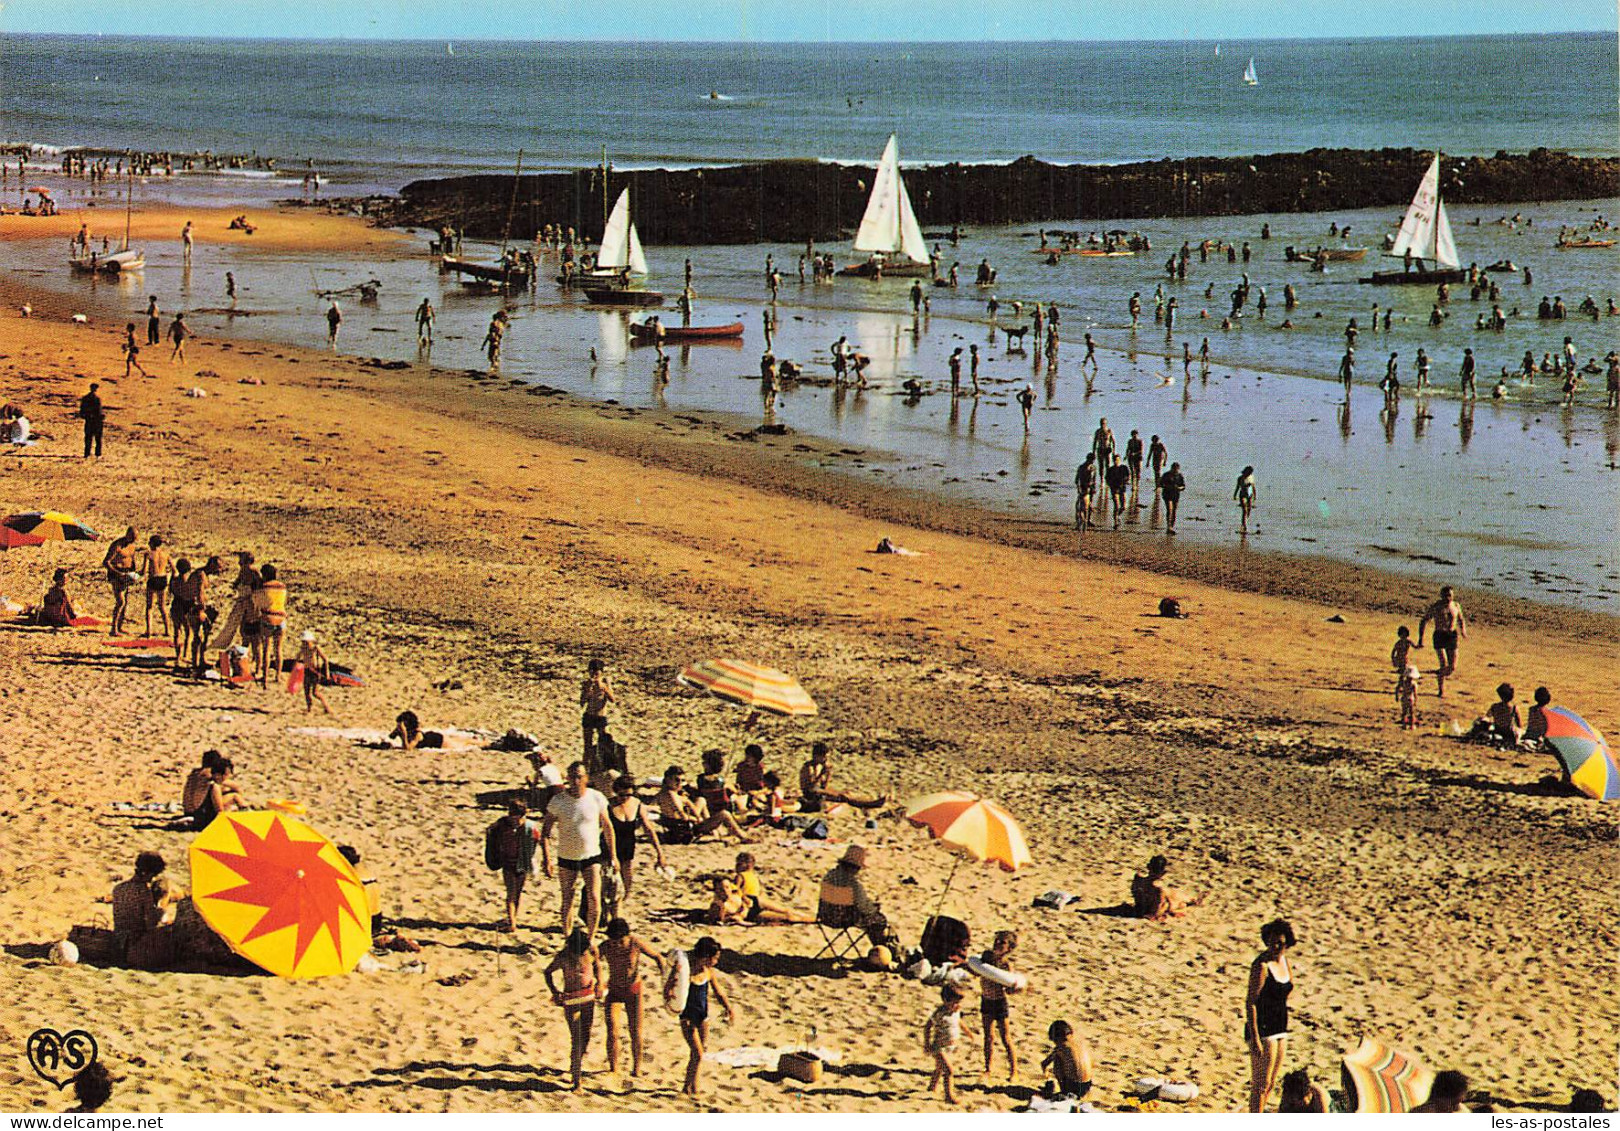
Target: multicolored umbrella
(1580,746)
(13,539)
(52,526)
(764,689)
(972,826)
(1381,1078)
(280,895)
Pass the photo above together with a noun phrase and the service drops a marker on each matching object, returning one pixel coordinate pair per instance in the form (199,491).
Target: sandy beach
(467,543)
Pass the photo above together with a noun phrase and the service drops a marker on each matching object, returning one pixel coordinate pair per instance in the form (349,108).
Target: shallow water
(1522,496)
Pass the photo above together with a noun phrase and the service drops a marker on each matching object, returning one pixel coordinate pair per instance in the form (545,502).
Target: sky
(805,20)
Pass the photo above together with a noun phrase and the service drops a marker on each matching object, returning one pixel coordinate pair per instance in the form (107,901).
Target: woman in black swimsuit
(626,813)
(1265,1011)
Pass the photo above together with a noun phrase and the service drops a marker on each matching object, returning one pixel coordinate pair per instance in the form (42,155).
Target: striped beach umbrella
(280,894)
(1380,1078)
(1580,746)
(970,827)
(968,824)
(764,689)
(52,526)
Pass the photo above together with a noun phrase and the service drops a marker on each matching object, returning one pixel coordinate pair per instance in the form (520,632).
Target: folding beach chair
(841,944)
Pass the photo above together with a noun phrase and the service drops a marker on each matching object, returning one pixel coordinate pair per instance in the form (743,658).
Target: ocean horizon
(372,115)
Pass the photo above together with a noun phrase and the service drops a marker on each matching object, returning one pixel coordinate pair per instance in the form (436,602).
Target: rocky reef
(792,201)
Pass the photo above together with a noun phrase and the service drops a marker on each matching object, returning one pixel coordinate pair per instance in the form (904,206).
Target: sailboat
(121,262)
(508,272)
(1249,77)
(619,257)
(1424,237)
(889,231)
(450,50)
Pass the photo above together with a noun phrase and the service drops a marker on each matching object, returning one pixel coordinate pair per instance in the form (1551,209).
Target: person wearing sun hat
(314,664)
(844,902)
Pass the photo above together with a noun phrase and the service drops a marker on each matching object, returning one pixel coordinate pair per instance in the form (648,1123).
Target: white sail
(638,261)
(1425,231)
(1445,248)
(889,225)
(1248,73)
(615,249)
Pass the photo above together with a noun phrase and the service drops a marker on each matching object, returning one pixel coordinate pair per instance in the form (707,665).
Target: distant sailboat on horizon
(1217,51)
(450,50)
(1249,77)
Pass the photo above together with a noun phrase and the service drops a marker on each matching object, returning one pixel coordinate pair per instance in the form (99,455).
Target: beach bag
(494,841)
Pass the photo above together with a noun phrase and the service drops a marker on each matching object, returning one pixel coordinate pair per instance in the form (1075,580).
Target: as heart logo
(59,1057)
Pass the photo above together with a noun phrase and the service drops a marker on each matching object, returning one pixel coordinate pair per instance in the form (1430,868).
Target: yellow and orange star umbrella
(280,895)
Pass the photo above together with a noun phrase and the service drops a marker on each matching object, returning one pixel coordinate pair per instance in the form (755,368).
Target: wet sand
(467,543)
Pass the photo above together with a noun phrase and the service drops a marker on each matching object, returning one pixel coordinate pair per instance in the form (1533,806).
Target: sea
(1519,494)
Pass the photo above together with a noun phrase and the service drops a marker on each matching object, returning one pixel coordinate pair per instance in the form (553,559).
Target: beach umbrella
(764,689)
(52,526)
(971,828)
(280,895)
(1580,746)
(11,539)
(1381,1078)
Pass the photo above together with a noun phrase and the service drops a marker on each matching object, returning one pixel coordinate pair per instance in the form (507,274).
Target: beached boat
(647,332)
(623,296)
(509,275)
(889,231)
(1424,237)
(121,262)
(1331,254)
(1249,77)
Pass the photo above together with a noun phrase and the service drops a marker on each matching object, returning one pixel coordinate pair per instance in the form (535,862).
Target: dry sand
(467,546)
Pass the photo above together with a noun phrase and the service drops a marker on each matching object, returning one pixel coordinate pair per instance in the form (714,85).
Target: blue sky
(805,20)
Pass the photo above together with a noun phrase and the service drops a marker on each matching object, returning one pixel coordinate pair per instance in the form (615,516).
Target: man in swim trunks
(585,841)
(814,777)
(1450,626)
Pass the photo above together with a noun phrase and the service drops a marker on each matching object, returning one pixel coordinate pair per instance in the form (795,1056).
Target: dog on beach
(1015,332)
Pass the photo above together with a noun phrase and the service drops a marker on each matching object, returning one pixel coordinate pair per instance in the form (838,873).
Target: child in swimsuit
(993,1003)
(622,954)
(1069,1062)
(581,968)
(704,958)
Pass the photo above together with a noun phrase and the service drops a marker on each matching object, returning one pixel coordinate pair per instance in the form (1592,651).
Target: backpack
(494,841)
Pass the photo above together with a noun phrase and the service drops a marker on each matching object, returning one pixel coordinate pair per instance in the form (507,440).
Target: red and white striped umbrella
(972,826)
(764,689)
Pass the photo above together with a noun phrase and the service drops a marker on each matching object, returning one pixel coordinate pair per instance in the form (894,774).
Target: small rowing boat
(1571,245)
(647,332)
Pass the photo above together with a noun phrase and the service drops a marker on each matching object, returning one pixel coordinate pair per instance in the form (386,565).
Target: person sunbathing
(727,904)
(408,729)
(684,819)
(756,907)
(815,778)
(1153,899)
(222,796)
(142,915)
(56,609)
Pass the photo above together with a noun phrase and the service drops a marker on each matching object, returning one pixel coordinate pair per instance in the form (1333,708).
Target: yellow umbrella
(764,689)
(973,827)
(280,895)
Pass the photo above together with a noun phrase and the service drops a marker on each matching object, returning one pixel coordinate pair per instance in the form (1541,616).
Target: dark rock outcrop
(791,201)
